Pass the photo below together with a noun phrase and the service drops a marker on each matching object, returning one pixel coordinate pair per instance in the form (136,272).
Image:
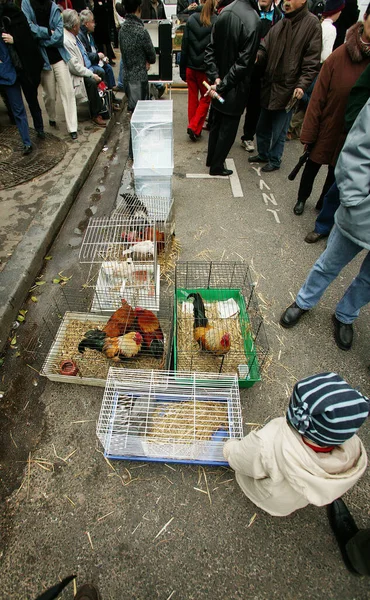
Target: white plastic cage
(152,138)
(122,253)
(169,416)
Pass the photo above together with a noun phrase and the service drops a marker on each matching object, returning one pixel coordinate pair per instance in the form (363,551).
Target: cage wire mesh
(74,345)
(122,253)
(156,208)
(169,416)
(218,324)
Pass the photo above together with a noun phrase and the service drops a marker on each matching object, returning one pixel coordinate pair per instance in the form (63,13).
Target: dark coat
(236,30)
(136,49)
(194,43)
(298,64)
(348,17)
(358,96)
(323,124)
(148,12)
(25,44)
(83,36)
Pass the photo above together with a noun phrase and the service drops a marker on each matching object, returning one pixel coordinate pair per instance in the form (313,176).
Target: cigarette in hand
(215,94)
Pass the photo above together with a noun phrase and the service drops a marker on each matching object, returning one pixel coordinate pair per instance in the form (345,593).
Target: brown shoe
(99,121)
(313,237)
(87,592)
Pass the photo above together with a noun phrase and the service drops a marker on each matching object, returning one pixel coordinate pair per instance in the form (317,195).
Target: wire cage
(122,253)
(75,345)
(218,326)
(169,416)
(156,208)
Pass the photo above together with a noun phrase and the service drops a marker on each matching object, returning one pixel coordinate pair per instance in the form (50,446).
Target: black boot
(344,528)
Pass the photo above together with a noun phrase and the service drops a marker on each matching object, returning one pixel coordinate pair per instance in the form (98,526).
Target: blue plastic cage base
(209,463)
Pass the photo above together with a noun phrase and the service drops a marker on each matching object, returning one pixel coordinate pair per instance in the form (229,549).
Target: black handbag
(137,90)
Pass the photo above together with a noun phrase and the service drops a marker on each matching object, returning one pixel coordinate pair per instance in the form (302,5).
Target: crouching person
(85,82)
(311,456)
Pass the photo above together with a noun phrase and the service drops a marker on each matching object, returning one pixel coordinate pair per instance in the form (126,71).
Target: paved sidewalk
(32,213)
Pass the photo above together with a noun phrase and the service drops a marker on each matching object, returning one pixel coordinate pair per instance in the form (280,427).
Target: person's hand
(8,39)
(97,78)
(212,90)
(298,93)
(101,55)
(147,65)
(192,6)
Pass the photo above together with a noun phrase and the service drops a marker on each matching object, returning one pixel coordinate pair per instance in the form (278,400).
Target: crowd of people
(66,47)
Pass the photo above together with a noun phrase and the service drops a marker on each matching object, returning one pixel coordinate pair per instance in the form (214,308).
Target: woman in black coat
(103,13)
(14,23)
(197,35)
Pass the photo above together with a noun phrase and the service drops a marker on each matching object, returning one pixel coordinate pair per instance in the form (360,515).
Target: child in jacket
(311,456)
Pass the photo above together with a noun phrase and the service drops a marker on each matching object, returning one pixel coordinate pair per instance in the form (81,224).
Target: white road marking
(264,184)
(236,188)
(269,197)
(205,176)
(258,170)
(275,214)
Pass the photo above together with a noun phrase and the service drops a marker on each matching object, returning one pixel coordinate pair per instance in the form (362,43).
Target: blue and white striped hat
(326,409)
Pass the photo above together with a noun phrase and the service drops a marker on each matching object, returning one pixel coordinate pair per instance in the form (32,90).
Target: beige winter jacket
(280,473)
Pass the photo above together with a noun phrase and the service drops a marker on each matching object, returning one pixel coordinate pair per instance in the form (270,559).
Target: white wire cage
(69,344)
(169,416)
(123,258)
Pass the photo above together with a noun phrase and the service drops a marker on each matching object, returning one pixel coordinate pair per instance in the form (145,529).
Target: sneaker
(248,145)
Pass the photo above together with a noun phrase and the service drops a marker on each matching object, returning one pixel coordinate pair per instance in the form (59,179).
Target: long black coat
(15,22)
(231,53)
(194,43)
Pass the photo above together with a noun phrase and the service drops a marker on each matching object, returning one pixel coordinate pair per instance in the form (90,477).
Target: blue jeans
(339,252)
(120,76)
(272,128)
(325,219)
(15,100)
(105,73)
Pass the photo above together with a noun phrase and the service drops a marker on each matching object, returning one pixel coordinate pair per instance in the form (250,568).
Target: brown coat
(324,121)
(299,61)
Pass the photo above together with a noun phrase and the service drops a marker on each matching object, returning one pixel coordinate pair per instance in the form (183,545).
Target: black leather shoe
(269,168)
(73,135)
(299,208)
(291,316)
(27,150)
(221,172)
(41,135)
(52,123)
(191,135)
(344,528)
(343,334)
(256,159)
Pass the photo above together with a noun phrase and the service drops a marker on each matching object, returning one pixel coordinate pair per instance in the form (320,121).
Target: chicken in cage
(218,325)
(122,253)
(169,416)
(78,346)
(158,209)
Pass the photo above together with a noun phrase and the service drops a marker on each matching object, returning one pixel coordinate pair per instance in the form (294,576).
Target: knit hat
(326,409)
(332,7)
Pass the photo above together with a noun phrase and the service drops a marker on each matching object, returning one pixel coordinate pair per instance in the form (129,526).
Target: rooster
(121,321)
(159,237)
(115,348)
(149,327)
(208,337)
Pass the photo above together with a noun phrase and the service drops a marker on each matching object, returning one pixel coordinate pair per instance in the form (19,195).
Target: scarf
(281,58)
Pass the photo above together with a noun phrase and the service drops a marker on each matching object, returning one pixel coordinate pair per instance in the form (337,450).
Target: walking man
(350,235)
(229,60)
(290,55)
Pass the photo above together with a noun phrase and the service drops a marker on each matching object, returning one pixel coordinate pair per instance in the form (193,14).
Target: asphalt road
(84,517)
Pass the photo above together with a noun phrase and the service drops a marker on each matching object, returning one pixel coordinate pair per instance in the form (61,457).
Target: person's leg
(339,252)
(95,102)
(192,93)
(67,94)
(325,219)
(358,551)
(330,178)
(120,86)
(309,173)
(197,121)
(49,93)
(228,129)
(264,134)
(213,134)
(280,125)
(30,93)
(356,295)
(109,76)
(253,110)
(15,99)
